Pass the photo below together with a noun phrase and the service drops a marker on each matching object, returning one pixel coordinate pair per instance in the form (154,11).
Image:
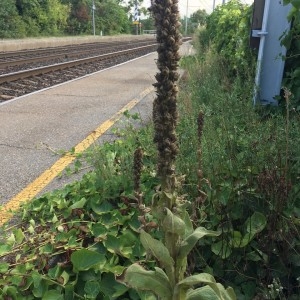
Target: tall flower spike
(166,16)
(137,169)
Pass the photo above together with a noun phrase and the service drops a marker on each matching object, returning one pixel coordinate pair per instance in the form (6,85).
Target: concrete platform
(34,127)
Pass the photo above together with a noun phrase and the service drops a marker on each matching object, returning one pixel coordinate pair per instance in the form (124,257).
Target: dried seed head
(200,123)
(166,16)
(137,168)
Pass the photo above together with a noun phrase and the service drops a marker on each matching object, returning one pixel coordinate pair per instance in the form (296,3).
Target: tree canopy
(21,18)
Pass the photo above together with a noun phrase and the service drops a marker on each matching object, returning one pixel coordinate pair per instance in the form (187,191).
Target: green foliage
(250,162)
(11,25)
(112,18)
(228,29)
(292,66)
(73,243)
(22,18)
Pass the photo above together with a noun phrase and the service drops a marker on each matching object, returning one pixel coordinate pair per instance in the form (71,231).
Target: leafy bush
(228,28)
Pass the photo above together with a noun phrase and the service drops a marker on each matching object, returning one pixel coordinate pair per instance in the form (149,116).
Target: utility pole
(186,16)
(136,15)
(223,2)
(93,10)
(214,4)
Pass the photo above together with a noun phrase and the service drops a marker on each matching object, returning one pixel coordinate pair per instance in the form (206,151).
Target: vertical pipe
(261,50)
(93,9)
(186,16)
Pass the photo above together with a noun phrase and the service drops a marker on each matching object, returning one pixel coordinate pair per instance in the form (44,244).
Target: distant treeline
(29,18)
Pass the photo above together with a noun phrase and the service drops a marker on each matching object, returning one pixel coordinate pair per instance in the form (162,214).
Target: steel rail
(61,54)
(65,48)
(65,65)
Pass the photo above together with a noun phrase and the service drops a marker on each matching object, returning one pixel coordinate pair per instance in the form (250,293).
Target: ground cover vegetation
(222,205)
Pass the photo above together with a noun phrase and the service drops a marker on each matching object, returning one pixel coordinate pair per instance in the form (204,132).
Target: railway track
(28,80)
(16,60)
(23,82)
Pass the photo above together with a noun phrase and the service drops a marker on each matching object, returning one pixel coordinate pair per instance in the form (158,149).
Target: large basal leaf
(203,293)
(84,259)
(188,244)
(196,279)
(256,223)
(173,224)
(155,281)
(211,289)
(157,249)
(221,249)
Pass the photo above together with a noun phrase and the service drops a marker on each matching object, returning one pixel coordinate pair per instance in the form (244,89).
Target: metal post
(223,1)
(186,16)
(93,9)
(214,4)
(270,65)
(136,14)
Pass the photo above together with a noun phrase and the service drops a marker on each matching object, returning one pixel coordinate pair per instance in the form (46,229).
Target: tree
(43,16)
(199,17)
(79,20)
(111,17)
(11,25)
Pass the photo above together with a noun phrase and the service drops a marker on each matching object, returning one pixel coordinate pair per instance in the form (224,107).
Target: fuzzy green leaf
(156,281)
(173,223)
(188,244)
(85,259)
(203,293)
(204,278)
(188,223)
(196,279)
(157,249)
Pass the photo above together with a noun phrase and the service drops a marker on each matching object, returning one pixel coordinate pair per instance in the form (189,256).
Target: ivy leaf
(19,235)
(53,295)
(4,267)
(84,259)
(92,289)
(155,281)
(4,249)
(78,204)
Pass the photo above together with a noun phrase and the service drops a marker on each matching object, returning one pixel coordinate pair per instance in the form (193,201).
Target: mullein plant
(167,280)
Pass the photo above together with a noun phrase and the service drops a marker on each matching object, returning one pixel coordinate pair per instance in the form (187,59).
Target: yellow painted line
(45,178)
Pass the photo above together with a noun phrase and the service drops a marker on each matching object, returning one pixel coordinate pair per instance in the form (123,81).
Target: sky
(194,5)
